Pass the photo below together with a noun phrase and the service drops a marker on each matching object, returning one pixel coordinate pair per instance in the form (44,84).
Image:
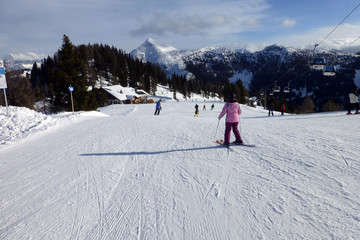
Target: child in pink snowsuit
(232,110)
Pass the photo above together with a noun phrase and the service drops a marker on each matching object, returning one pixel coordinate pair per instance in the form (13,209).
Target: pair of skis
(221,142)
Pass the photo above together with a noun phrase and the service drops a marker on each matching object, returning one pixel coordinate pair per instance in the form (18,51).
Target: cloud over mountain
(182,24)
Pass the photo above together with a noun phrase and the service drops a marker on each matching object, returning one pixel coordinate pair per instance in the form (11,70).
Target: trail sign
(71,89)
(3,84)
(2,76)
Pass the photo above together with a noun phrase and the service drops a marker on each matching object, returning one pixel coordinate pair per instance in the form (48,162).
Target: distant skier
(282,109)
(204,108)
(271,109)
(232,110)
(212,107)
(196,111)
(354,101)
(158,107)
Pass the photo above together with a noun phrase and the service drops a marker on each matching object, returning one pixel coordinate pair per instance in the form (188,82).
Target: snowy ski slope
(123,173)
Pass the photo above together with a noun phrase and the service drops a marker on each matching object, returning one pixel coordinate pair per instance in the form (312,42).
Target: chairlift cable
(336,28)
(317,44)
(333,62)
(350,44)
(338,24)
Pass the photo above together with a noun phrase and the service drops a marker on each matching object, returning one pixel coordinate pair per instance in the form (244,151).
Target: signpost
(3,84)
(71,89)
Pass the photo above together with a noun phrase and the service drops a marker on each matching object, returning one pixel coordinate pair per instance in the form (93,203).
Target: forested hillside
(283,67)
(88,68)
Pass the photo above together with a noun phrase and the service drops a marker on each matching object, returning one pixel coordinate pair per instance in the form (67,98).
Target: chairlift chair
(329,71)
(276,89)
(271,93)
(318,63)
(287,89)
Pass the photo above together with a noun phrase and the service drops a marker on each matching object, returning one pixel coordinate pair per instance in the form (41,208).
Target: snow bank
(22,121)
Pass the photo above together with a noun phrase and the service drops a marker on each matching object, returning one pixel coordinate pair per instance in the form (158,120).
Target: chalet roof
(125,93)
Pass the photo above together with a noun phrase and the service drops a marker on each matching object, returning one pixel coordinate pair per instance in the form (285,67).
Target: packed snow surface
(123,173)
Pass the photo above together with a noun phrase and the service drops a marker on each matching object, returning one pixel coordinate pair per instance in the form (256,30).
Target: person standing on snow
(271,109)
(283,109)
(158,107)
(196,110)
(354,101)
(232,110)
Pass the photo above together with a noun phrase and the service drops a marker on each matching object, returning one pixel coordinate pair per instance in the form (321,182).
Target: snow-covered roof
(125,93)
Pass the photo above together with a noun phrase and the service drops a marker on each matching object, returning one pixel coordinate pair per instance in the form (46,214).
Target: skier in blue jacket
(158,107)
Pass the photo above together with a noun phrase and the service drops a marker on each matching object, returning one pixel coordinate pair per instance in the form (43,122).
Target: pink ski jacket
(232,111)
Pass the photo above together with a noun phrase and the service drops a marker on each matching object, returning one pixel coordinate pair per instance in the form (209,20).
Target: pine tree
(331,106)
(70,70)
(174,86)
(19,91)
(307,106)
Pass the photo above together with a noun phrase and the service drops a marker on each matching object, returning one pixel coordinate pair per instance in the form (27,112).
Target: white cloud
(251,22)
(182,24)
(288,23)
(203,17)
(343,36)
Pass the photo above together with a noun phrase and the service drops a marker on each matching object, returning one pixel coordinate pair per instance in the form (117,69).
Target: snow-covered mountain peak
(166,56)
(150,51)
(278,49)
(26,56)
(163,48)
(22,61)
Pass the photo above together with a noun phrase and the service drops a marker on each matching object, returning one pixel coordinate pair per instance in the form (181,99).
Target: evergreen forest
(88,68)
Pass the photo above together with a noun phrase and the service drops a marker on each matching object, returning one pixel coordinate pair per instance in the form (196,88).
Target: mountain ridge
(238,62)
(23,61)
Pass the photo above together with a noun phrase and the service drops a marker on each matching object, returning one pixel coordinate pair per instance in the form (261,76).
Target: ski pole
(217,129)
(240,128)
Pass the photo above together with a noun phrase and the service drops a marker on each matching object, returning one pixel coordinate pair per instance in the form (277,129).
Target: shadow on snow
(149,153)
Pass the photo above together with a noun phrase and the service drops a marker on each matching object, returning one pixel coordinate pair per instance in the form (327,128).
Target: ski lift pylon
(318,63)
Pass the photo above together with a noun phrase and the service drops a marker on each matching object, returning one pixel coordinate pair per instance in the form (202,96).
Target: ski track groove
(99,200)
(113,217)
(76,215)
(76,210)
(155,211)
(140,224)
(80,224)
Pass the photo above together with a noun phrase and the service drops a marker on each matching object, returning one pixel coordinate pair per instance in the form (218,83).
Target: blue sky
(38,25)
